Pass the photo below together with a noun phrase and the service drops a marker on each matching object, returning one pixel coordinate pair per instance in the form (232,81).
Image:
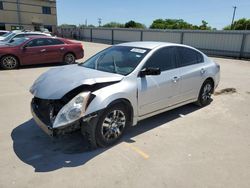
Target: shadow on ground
(45,154)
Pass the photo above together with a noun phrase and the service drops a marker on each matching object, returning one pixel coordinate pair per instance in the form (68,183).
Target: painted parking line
(138,151)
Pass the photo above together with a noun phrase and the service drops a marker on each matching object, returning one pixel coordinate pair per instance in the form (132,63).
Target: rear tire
(9,62)
(206,91)
(69,58)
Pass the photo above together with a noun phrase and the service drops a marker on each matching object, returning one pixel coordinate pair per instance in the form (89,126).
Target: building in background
(28,14)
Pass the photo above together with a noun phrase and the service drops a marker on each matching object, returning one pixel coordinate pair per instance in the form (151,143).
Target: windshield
(17,41)
(9,37)
(6,34)
(117,59)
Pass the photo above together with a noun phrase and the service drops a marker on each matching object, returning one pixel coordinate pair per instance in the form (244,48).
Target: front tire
(9,62)
(111,125)
(205,94)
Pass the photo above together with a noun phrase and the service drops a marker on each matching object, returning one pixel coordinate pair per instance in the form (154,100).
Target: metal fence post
(141,35)
(242,47)
(91,35)
(112,36)
(182,37)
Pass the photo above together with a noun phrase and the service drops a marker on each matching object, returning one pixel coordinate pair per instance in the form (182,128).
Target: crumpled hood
(57,82)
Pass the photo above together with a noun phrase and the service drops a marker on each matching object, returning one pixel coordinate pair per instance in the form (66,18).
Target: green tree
(133,24)
(68,26)
(204,26)
(241,24)
(114,25)
(158,24)
(170,24)
(177,24)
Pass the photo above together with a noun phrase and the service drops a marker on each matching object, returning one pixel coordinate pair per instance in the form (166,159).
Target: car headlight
(72,111)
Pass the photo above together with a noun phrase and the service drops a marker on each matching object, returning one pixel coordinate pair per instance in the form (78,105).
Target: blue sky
(217,13)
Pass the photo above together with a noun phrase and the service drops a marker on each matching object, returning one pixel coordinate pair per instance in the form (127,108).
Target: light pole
(234,7)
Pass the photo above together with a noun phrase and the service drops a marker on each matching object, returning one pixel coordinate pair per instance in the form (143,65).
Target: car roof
(149,44)
(32,32)
(38,36)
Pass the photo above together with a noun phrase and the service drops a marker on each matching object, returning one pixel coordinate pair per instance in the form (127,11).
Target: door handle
(203,71)
(62,48)
(43,50)
(175,79)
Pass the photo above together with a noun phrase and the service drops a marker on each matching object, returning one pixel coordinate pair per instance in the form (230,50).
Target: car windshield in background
(9,37)
(117,59)
(18,41)
(6,34)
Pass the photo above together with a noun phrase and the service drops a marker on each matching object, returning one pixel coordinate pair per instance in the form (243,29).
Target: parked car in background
(120,86)
(39,50)
(15,35)
(2,32)
(8,34)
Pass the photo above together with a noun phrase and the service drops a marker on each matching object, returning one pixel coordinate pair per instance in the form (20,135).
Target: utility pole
(99,22)
(234,7)
(86,22)
(18,13)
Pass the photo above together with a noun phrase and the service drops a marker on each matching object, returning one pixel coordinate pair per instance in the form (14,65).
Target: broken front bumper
(48,129)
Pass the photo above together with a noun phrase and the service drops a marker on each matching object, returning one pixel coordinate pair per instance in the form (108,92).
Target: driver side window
(163,58)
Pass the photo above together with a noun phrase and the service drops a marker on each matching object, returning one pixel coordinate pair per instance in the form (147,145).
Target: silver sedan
(120,86)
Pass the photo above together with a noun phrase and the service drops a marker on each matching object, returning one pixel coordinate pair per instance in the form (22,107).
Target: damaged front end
(58,117)
(62,95)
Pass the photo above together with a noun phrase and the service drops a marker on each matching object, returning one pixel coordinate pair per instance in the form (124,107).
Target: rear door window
(54,42)
(163,58)
(187,56)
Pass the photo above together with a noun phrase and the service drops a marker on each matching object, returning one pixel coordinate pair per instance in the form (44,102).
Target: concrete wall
(220,43)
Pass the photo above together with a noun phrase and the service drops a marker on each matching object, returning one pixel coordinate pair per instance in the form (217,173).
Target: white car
(3,32)
(2,37)
(120,86)
(13,35)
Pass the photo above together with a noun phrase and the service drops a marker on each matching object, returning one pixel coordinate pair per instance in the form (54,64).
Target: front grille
(46,110)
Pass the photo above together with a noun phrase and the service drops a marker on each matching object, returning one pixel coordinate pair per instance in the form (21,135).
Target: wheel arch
(69,52)
(127,104)
(212,81)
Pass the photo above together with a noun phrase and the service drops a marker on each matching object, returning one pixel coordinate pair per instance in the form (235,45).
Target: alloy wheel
(207,92)
(69,58)
(9,62)
(113,125)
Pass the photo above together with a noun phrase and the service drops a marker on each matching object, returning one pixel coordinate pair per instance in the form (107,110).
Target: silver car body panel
(57,82)
(148,95)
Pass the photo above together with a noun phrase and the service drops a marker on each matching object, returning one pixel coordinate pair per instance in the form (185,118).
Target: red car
(39,50)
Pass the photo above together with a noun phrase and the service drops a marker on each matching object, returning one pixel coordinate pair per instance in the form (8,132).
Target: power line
(234,7)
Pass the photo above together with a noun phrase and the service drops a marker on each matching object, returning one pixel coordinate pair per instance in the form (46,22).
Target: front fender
(103,97)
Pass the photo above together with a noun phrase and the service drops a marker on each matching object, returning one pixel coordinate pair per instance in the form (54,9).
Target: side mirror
(24,47)
(150,71)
